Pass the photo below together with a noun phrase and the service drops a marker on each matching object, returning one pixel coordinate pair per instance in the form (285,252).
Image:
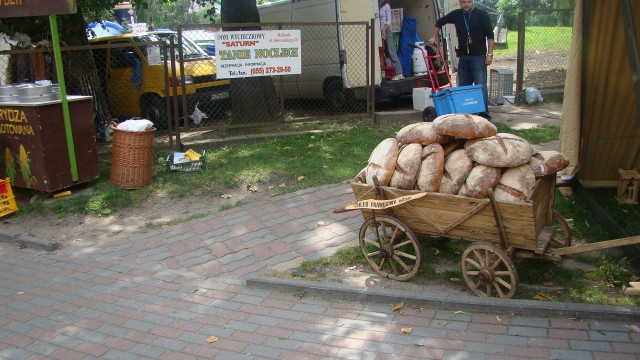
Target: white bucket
(418,61)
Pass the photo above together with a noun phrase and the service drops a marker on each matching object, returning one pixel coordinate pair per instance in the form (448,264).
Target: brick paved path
(162,294)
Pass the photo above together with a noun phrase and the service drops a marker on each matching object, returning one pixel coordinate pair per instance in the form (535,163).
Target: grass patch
(626,216)
(538,135)
(343,257)
(537,38)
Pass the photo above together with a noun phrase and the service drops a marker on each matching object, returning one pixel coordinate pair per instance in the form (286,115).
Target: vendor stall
(43,133)
(34,148)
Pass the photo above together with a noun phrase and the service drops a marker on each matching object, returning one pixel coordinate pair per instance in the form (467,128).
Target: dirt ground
(156,210)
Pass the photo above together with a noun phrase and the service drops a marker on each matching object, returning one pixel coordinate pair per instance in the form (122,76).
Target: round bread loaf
(382,162)
(407,166)
(421,133)
(502,150)
(430,173)
(457,167)
(516,184)
(480,180)
(464,126)
(548,162)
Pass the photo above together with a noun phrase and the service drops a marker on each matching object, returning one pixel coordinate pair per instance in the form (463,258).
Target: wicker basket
(132,158)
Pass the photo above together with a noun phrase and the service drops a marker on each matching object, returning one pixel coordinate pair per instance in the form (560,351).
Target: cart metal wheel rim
(400,256)
(489,271)
(562,235)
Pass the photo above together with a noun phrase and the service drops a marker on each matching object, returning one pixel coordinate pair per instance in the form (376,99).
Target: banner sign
(23,8)
(383,204)
(257,53)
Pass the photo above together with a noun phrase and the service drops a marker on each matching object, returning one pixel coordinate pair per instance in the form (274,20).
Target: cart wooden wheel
(390,247)
(489,271)
(562,235)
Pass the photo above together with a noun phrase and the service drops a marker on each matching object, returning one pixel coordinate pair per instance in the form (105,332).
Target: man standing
(475,43)
(387,37)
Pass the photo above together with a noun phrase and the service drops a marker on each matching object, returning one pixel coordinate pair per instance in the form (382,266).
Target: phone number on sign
(270,70)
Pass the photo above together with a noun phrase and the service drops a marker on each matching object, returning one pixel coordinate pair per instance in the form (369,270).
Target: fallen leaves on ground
(406,330)
(212,339)
(542,296)
(396,307)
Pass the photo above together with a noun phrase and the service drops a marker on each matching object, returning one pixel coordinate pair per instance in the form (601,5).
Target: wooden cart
(500,231)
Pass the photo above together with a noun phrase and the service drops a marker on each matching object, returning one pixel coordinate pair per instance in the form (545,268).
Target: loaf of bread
(421,133)
(406,171)
(516,184)
(548,162)
(457,167)
(502,150)
(464,126)
(430,173)
(480,180)
(382,162)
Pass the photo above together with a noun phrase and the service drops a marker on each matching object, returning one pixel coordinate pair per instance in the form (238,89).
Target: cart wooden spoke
(390,247)
(489,271)
(562,234)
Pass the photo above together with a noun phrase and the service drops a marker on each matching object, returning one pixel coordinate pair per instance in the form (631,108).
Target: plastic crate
(190,166)
(7,200)
(459,100)
(500,85)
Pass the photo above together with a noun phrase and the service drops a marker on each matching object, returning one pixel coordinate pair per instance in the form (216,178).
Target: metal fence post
(520,57)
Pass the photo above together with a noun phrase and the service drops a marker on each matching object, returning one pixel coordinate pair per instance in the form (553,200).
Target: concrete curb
(450,302)
(27,241)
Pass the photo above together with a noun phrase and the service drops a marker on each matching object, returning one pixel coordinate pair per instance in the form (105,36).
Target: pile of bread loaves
(460,154)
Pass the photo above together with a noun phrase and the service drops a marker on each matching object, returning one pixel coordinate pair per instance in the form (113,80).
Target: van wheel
(154,109)
(338,98)
(429,114)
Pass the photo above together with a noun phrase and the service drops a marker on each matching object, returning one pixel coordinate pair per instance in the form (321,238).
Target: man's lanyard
(467,24)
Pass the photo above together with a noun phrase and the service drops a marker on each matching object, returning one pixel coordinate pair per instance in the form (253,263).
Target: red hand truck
(433,69)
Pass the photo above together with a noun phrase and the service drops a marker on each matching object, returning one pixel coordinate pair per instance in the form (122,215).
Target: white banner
(258,53)
(383,204)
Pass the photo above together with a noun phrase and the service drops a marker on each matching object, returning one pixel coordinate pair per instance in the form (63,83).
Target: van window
(189,49)
(123,57)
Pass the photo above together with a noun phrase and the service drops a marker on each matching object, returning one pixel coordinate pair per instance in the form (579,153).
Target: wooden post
(628,186)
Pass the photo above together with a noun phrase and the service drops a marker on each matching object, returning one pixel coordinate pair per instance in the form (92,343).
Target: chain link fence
(331,86)
(171,79)
(544,38)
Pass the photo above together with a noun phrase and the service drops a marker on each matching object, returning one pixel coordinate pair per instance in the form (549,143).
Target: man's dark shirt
(479,28)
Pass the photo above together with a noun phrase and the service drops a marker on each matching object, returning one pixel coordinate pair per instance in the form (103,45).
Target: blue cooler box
(459,100)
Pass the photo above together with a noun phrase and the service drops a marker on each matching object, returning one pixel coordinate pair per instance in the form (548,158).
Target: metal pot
(8,90)
(31,90)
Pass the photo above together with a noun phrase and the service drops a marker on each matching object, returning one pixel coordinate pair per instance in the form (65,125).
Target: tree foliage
(510,9)
(171,15)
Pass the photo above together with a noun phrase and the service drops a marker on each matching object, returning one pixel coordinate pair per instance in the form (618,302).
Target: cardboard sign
(242,54)
(23,8)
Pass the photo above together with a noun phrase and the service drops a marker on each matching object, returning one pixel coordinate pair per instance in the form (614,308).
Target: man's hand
(432,41)
(488,60)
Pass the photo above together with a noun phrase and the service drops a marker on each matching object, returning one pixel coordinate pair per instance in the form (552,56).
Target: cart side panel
(432,213)
(542,199)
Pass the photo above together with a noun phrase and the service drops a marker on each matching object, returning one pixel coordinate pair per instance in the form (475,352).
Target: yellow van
(134,79)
